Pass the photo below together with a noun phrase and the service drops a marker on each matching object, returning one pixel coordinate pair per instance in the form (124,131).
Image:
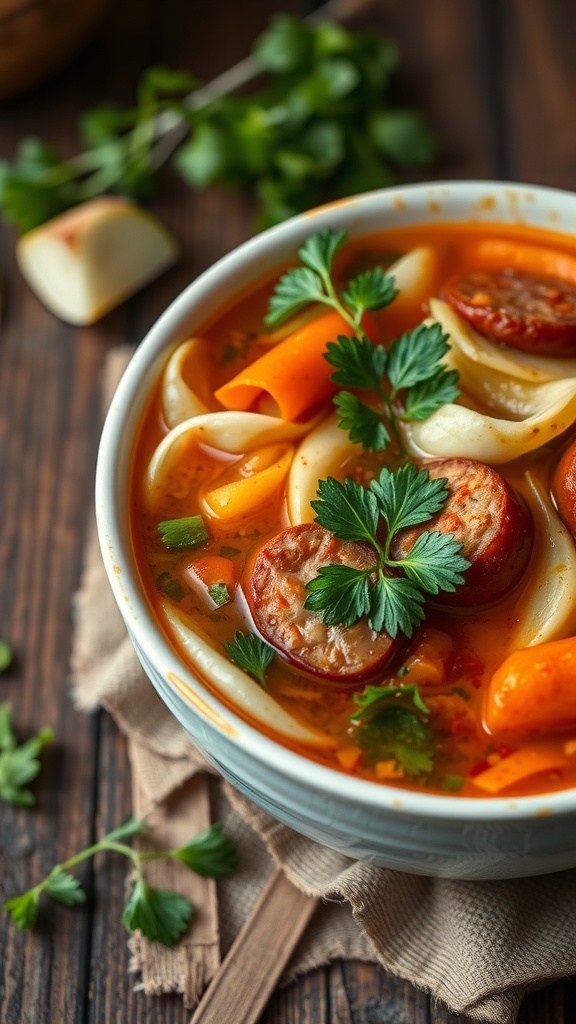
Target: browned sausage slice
(525,311)
(489,519)
(275,589)
(564,487)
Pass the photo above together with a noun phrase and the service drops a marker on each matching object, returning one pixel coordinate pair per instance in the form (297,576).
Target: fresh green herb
(183,533)
(391,592)
(160,915)
(373,697)
(452,783)
(228,552)
(410,370)
(6,656)
(19,765)
(250,653)
(219,594)
(169,586)
(403,670)
(321,127)
(397,732)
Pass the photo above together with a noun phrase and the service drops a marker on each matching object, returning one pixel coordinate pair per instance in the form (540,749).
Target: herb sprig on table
(322,126)
(159,914)
(19,764)
(410,370)
(391,592)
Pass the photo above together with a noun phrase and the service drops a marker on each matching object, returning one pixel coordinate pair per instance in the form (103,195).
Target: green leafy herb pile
(159,914)
(391,592)
(410,370)
(388,727)
(322,126)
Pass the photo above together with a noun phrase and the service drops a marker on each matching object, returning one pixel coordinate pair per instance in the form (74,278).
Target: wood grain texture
(498,83)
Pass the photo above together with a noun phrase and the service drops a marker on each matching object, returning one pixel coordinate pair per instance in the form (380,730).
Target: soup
(357,525)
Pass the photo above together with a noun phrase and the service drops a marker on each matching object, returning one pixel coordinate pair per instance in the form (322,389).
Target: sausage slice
(564,487)
(275,589)
(489,519)
(526,311)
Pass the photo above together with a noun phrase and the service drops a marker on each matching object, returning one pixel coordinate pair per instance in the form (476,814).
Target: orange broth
(461,648)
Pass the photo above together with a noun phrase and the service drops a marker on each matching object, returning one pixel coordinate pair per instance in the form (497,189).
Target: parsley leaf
(5,656)
(390,592)
(210,854)
(408,496)
(347,509)
(250,653)
(363,423)
(319,250)
(414,356)
(373,289)
(160,915)
(19,764)
(429,395)
(433,563)
(360,364)
(295,289)
(65,888)
(24,909)
(373,697)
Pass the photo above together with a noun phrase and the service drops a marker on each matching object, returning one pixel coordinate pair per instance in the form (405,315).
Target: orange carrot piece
(213,569)
(530,259)
(294,373)
(532,759)
(534,689)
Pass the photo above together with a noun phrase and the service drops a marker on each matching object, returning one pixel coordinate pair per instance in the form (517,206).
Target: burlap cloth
(475,945)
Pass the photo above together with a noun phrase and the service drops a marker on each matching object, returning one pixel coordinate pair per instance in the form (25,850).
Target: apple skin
(86,261)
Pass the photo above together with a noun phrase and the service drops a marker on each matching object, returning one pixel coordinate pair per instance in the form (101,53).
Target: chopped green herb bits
(183,533)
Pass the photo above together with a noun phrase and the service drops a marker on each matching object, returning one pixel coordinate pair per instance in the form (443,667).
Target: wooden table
(497,80)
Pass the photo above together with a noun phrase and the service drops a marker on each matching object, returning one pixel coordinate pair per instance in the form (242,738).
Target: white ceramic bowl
(416,832)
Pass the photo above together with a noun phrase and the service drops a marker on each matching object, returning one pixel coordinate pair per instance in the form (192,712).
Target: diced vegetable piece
(254,481)
(213,575)
(183,533)
(349,757)
(532,759)
(534,689)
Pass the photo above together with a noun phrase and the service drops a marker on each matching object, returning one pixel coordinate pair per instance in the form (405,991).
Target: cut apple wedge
(86,261)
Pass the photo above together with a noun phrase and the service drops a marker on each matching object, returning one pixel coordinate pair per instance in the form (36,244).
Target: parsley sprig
(159,914)
(19,764)
(408,379)
(391,592)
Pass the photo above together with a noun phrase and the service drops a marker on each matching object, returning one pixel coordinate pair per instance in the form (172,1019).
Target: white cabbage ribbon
(486,353)
(236,685)
(536,412)
(179,401)
(546,609)
(414,276)
(171,468)
(320,452)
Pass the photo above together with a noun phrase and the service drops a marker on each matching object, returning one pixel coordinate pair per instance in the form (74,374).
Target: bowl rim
(131,598)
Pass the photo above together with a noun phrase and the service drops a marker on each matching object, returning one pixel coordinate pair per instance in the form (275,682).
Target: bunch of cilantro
(321,127)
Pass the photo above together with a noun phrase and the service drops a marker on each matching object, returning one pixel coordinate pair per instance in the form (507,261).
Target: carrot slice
(534,689)
(532,759)
(213,569)
(531,259)
(294,373)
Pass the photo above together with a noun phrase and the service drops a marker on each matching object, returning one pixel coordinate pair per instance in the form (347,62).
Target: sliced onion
(237,686)
(179,402)
(547,608)
(321,450)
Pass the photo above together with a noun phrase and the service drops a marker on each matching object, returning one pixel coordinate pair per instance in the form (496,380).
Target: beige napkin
(475,945)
